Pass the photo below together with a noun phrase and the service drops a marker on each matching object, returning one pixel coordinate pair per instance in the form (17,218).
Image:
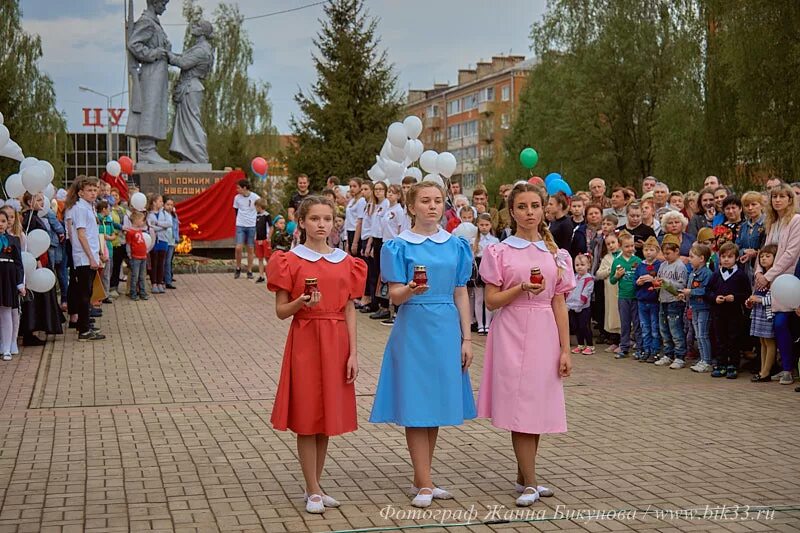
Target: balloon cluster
(124,165)
(8,148)
(402,148)
(260,167)
(553,182)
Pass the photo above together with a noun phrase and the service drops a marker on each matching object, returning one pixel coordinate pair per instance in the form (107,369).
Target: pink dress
(520,389)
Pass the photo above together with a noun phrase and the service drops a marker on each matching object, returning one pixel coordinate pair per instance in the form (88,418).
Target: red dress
(313,396)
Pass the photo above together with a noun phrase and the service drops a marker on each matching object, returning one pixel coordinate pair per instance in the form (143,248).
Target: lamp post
(108,98)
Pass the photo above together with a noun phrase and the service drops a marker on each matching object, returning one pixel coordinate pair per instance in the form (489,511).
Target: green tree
(27,97)
(237,113)
(344,117)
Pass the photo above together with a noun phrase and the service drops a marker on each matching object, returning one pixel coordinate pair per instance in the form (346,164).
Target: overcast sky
(427,40)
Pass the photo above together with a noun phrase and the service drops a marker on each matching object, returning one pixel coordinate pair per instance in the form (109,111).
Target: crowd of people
(664,277)
(97,243)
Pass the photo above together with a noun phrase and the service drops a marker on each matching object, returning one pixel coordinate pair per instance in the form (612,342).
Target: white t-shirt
(353,211)
(246,205)
(366,223)
(395,221)
(83,216)
(377,218)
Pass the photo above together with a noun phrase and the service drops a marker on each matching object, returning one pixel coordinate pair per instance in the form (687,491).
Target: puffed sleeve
(491,270)
(566,282)
(393,263)
(358,277)
(464,270)
(279,276)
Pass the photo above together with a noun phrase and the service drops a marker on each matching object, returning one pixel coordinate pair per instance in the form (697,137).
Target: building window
(432,111)
(469,129)
(469,180)
(469,102)
(487,152)
(454,132)
(506,93)
(486,95)
(470,153)
(453,107)
(505,123)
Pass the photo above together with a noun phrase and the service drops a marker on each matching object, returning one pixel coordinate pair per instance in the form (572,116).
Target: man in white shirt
(245,205)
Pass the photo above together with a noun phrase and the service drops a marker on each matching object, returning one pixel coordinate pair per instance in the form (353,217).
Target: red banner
(209,216)
(118,182)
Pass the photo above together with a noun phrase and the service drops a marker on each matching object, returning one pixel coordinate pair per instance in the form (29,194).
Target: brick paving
(165,427)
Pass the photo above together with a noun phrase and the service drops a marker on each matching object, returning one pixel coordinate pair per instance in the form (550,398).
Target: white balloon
(38,242)
(15,205)
(446,164)
(49,171)
(413,149)
(394,170)
(28,161)
(397,154)
(414,172)
(427,160)
(2,202)
(397,134)
(5,136)
(14,186)
(148,240)
(786,291)
(413,126)
(41,280)
(139,201)
(50,191)
(113,168)
(385,149)
(12,150)
(436,178)
(28,263)
(1,118)
(34,178)
(377,173)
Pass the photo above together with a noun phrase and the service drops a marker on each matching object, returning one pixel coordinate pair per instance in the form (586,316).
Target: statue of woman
(188,136)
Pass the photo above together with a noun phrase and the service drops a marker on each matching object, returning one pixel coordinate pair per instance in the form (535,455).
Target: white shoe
(314,504)
(677,364)
(701,367)
(327,501)
(6,357)
(423,500)
(438,494)
(544,492)
(664,361)
(528,497)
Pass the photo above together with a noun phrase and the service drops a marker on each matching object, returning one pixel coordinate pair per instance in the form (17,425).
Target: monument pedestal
(178,181)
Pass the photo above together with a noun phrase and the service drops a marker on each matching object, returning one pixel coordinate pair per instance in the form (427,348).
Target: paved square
(165,426)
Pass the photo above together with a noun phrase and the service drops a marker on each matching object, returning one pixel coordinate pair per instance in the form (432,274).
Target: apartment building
(471,119)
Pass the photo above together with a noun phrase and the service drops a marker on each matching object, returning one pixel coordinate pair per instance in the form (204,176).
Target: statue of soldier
(149,49)
(189,141)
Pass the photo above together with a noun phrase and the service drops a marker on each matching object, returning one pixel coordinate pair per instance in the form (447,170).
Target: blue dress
(421,382)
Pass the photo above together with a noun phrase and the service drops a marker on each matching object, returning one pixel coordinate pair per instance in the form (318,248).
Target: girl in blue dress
(424,381)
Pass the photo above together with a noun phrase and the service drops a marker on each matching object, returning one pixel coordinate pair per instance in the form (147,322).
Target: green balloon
(528,157)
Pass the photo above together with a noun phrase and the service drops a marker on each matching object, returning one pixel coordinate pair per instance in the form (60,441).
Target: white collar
(304,252)
(521,244)
(415,238)
(727,275)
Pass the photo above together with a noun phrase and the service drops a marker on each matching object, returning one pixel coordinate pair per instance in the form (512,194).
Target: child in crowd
(672,279)
(482,240)
(695,295)
(137,254)
(263,245)
(647,303)
(705,236)
(578,304)
(466,229)
(12,285)
(623,270)
(338,235)
(611,322)
(761,318)
(105,225)
(727,291)
(280,240)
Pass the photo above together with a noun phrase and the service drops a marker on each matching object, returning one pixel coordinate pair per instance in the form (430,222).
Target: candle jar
(311,286)
(420,275)
(536,276)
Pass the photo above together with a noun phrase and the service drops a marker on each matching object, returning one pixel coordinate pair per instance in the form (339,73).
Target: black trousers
(80,292)
(729,329)
(120,255)
(580,324)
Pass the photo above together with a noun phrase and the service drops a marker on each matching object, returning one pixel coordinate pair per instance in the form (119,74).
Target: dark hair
(728,248)
(731,199)
(166,198)
(358,180)
(80,183)
(409,180)
(701,250)
(333,179)
(769,249)
(561,199)
(101,204)
(671,246)
(244,184)
(329,191)
(398,190)
(305,206)
(151,199)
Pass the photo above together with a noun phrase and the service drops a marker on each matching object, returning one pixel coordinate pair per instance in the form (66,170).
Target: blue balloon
(558,185)
(552,176)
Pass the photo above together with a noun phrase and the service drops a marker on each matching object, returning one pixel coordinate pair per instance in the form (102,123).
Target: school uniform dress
(312,395)
(521,389)
(422,383)
(11,272)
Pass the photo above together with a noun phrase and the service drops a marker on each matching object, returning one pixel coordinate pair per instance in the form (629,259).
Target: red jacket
(136,241)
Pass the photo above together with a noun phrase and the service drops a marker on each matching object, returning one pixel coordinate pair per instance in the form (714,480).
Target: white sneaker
(423,500)
(701,367)
(664,361)
(6,357)
(528,497)
(314,504)
(677,364)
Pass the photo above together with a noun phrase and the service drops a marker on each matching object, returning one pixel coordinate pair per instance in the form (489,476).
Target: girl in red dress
(316,285)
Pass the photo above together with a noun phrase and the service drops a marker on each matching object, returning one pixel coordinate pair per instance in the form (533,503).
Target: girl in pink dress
(527,351)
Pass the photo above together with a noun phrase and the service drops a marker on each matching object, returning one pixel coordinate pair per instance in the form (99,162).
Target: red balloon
(536,180)
(126,163)
(259,166)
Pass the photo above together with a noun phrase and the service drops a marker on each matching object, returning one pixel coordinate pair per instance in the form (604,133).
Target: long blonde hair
(547,237)
(16,228)
(772,215)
